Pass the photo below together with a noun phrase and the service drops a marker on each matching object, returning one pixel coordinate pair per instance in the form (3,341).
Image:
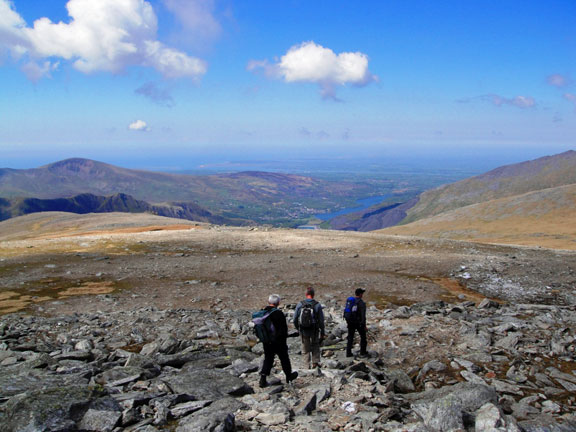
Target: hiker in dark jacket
(357,323)
(312,333)
(277,347)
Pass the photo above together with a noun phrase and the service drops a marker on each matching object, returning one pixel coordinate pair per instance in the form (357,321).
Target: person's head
(274,300)
(359,292)
(310,292)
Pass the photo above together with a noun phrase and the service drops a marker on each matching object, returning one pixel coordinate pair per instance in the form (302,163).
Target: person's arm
(321,323)
(279,320)
(297,314)
(363,313)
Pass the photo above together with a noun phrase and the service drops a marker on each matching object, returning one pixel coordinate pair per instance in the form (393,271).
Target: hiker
(355,315)
(309,321)
(277,345)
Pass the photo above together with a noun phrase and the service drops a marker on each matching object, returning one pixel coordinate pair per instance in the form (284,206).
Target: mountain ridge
(544,218)
(90,203)
(508,180)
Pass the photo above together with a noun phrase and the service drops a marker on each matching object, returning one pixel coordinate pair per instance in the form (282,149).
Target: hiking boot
(363,354)
(292,377)
(263,383)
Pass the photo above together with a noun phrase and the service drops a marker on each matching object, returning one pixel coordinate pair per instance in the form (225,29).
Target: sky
(166,84)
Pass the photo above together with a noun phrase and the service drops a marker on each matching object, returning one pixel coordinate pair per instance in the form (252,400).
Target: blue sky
(169,83)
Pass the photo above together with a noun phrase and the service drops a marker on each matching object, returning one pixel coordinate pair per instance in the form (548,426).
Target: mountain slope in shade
(544,218)
(506,181)
(373,219)
(89,203)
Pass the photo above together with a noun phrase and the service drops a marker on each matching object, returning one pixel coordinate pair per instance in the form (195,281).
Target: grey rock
(52,409)
(150,348)
(468,365)
(557,374)
(505,387)
(322,392)
(307,406)
(184,409)
(401,380)
(210,384)
(472,377)
(551,407)
(13,381)
(135,399)
(218,417)
(514,375)
(76,355)
(433,365)
(545,423)
(271,419)
(121,375)
(100,420)
(568,385)
(441,416)
(489,418)
(470,396)
(524,411)
(488,304)
(84,345)
(509,343)
(543,379)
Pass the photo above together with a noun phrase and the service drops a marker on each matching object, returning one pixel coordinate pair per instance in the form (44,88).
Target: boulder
(207,384)
(218,417)
(52,409)
(489,418)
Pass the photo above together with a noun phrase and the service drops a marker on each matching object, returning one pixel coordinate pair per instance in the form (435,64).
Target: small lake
(363,204)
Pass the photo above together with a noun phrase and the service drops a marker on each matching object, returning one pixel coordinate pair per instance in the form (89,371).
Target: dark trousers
(352,328)
(281,350)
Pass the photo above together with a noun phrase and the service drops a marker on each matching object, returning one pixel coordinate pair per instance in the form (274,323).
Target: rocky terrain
(140,323)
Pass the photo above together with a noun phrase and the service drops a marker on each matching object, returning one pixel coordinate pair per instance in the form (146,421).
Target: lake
(363,204)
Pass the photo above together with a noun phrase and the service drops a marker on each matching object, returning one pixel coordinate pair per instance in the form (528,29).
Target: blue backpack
(351,310)
(263,326)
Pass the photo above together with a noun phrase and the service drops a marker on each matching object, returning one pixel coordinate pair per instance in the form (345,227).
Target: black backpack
(307,317)
(351,313)
(263,326)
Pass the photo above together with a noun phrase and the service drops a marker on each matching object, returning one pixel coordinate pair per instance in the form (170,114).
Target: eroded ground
(108,264)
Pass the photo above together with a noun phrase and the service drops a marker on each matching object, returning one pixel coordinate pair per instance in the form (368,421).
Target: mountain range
(532,203)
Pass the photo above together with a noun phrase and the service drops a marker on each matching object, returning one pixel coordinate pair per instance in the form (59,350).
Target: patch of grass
(48,289)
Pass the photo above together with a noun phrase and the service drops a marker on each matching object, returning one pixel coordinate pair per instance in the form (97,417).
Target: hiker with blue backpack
(309,321)
(271,328)
(355,316)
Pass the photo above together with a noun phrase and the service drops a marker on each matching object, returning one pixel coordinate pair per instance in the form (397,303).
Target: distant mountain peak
(73,163)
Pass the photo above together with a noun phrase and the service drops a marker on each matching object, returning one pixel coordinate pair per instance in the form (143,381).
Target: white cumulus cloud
(102,35)
(310,62)
(139,125)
